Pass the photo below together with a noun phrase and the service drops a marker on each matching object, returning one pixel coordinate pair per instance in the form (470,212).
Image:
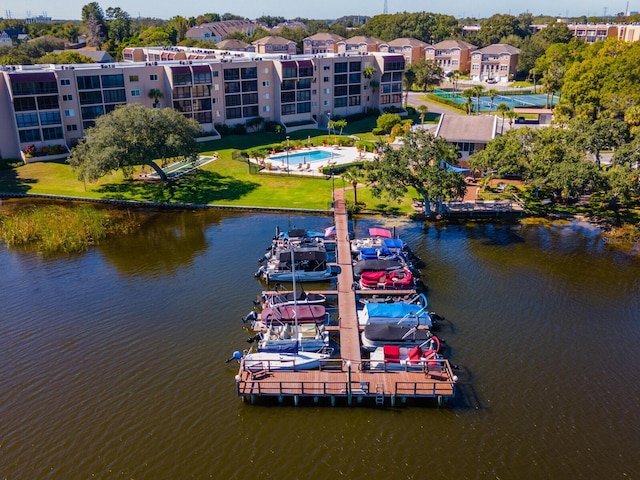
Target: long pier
(349,378)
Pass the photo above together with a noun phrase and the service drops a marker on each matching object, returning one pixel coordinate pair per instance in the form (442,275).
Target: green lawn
(225,181)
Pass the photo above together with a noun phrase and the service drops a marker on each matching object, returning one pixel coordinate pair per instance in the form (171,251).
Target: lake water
(113,361)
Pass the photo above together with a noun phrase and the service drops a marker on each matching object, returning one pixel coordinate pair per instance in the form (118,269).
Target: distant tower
(386,7)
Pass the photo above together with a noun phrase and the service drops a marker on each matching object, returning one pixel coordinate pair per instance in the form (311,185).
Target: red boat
(387,279)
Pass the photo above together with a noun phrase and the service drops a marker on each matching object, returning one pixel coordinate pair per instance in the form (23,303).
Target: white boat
(267,360)
(285,337)
(418,357)
(308,258)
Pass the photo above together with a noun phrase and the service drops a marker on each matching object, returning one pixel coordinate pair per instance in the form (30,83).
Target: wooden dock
(349,377)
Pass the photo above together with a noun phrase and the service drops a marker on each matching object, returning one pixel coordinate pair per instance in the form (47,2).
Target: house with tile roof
(451,55)
(275,44)
(497,63)
(360,44)
(412,49)
(215,32)
(322,42)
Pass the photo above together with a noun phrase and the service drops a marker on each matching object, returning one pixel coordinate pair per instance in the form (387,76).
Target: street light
(287,154)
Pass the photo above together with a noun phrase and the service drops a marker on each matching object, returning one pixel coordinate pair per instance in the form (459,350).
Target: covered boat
(309,260)
(378,335)
(397,313)
(291,314)
(278,298)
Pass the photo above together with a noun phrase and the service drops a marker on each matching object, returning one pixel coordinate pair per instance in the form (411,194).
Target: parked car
(492,80)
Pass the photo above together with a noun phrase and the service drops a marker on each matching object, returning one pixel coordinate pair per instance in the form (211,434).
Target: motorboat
(308,258)
(408,313)
(266,360)
(306,337)
(290,314)
(374,240)
(278,297)
(418,357)
(378,335)
(400,278)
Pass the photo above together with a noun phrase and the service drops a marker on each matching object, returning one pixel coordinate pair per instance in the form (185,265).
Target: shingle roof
(465,128)
(498,48)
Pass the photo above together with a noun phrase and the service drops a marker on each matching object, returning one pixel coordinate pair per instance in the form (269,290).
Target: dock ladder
(379,394)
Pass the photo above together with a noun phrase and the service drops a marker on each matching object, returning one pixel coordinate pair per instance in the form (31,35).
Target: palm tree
(511,115)
(155,94)
(468,93)
(423,109)
(492,93)
(455,76)
(353,176)
(409,81)
(478,90)
(503,108)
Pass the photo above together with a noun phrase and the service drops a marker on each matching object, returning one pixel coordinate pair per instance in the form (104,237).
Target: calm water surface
(113,361)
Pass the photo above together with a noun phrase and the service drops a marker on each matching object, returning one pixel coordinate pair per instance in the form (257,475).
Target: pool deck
(342,155)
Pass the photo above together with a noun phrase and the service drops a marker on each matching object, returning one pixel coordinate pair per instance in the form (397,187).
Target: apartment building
(451,55)
(359,44)
(319,43)
(275,44)
(412,49)
(495,63)
(215,32)
(43,105)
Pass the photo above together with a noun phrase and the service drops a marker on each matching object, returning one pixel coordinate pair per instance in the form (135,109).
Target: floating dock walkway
(348,378)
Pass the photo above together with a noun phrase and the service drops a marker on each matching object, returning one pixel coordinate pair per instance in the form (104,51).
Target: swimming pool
(304,157)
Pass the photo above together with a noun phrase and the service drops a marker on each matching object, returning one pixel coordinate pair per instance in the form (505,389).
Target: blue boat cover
(394,310)
(392,243)
(288,347)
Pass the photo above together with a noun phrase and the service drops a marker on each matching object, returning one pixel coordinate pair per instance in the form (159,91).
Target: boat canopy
(305,313)
(377,264)
(395,334)
(280,347)
(301,255)
(380,232)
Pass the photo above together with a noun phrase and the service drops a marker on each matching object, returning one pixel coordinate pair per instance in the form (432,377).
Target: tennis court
(512,101)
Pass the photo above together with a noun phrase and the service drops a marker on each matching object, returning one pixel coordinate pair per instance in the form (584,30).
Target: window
(266,108)
(341,67)
(27,120)
(112,81)
(288,109)
(234,112)
(201,91)
(133,78)
(48,103)
(232,74)
(325,103)
(30,135)
(266,83)
(287,97)
(182,78)
(326,91)
(67,98)
(69,113)
(326,67)
(250,72)
(153,77)
(304,107)
(89,98)
(135,93)
(202,77)
(50,118)
(340,102)
(88,83)
(24,104)
(65,82)
(72,128)
(250,111)
(52,133)
(249,98)
(266,96)
(114,96)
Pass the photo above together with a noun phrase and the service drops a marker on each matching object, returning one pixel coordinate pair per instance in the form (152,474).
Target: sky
(327,9)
